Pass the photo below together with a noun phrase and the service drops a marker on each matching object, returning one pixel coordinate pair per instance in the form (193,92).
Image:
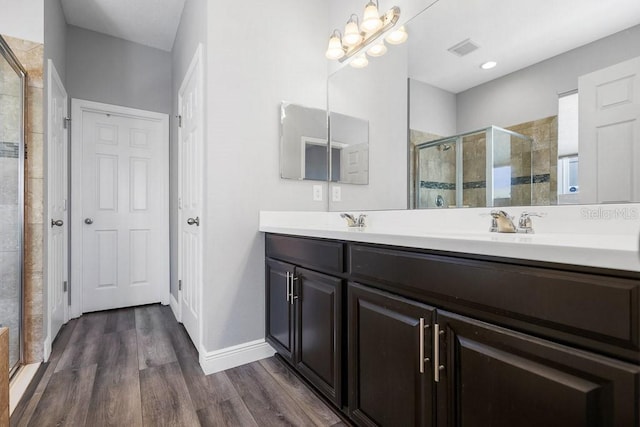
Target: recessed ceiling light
(488,65)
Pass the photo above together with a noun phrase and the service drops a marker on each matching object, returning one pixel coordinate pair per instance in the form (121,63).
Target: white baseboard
(175,307)
(20,382)
(47,348)
(230,357)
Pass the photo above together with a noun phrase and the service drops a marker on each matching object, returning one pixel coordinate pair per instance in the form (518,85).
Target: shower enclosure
(484,168)
(12,96)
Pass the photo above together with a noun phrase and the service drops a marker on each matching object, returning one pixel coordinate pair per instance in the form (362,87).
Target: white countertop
(577,235)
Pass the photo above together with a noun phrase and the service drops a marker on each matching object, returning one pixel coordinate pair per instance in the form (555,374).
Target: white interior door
(57,188)
(120,204)
(609,134)
(190,138)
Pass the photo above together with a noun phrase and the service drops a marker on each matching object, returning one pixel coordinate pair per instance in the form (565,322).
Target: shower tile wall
(437,171)
(544,158)
(474,170)
(10,90)
(30,55)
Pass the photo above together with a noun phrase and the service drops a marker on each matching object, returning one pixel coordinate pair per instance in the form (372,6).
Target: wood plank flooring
(138,367)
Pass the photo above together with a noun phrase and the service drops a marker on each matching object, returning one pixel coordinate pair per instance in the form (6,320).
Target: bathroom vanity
(400,335)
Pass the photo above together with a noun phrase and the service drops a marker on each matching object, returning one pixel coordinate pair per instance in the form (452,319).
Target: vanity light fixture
(377,49)
(360,61)
(398,36)
(356,38)
(488,65)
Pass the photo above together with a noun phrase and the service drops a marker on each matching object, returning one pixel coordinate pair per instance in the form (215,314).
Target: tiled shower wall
(31,55)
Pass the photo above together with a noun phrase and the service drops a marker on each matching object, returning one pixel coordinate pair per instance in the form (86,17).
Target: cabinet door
(496,377)
(318,354)
(386,385)
(280,308)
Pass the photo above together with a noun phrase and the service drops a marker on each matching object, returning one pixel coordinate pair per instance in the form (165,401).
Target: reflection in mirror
(349,149)
(303,142)
(584,148)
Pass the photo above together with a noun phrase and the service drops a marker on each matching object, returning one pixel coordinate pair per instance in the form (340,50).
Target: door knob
(195,221)
(58,222)
(88,220)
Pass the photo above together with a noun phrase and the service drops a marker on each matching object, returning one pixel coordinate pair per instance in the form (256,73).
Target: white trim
(78,106)
(47,348)
(175,307)
(19,384)
(230,357)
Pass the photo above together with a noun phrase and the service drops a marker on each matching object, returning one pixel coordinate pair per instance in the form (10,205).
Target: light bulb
(352,34)
(371,19)
(360,61)
(398,36)
(335,49)
(377,49)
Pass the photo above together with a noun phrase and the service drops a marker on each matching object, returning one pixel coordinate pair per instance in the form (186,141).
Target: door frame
(196,68)
(54,78)
(78,106)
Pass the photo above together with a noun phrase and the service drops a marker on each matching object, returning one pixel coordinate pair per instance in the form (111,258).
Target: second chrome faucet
(502,222)
(352,221)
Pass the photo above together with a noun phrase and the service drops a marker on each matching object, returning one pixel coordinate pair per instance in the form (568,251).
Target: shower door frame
(9,56)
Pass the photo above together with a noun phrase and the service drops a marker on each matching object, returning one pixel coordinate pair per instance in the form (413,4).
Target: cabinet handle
(437,367)
(294,297)
(423,359)
(288,284)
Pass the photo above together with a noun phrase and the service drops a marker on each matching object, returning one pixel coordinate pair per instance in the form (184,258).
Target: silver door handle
(59,223)
(195,221)
(88,221)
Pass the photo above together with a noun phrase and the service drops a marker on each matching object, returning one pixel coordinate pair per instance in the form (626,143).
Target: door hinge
(26,151)
(68,293)
(66,122)
(179,121)
(179,285)
(64,286)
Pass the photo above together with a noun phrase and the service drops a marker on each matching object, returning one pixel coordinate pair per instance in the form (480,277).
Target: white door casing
(609,134)
(120,227)
(190,199)
(57,201)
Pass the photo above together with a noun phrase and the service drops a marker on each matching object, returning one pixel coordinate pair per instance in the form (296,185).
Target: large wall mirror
(555,121)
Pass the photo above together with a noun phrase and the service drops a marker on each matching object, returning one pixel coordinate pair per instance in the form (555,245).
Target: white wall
(22,19)
(377,93)
(532,93)
(192,30)
(431,109)
(115,71)
(259,54)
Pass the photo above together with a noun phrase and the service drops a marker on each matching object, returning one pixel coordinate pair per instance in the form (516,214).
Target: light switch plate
(336,193)
(317,193)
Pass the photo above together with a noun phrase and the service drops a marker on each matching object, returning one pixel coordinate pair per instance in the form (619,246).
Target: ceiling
(515,34)
(151,23)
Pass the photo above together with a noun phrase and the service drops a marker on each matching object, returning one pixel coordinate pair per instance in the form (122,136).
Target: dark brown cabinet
(436,339)
(304,323)
(492,376)
(390,373)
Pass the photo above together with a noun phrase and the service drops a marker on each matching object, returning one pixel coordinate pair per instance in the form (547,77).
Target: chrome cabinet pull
(437,367)
(288,284)
(423,359)
(195,221)
(294,297)
(58,223)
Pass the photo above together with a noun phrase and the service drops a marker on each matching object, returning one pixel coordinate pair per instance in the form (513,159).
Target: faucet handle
(361,222)
(525,225)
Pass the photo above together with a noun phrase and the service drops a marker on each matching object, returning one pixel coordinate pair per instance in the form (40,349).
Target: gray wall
(55,39)
(249,74)
(114,71)
(532,93)
(431,109)
(191,31)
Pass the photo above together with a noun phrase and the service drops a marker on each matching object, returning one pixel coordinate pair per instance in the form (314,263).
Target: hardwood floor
(138,367)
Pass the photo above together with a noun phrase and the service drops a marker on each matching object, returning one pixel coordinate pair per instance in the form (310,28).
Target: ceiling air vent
(463,48)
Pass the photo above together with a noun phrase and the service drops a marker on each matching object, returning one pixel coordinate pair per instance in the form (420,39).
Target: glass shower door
(11,199)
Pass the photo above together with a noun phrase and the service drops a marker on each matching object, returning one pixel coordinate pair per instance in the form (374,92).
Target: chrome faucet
(525,225)
(501,222)
(352,221)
